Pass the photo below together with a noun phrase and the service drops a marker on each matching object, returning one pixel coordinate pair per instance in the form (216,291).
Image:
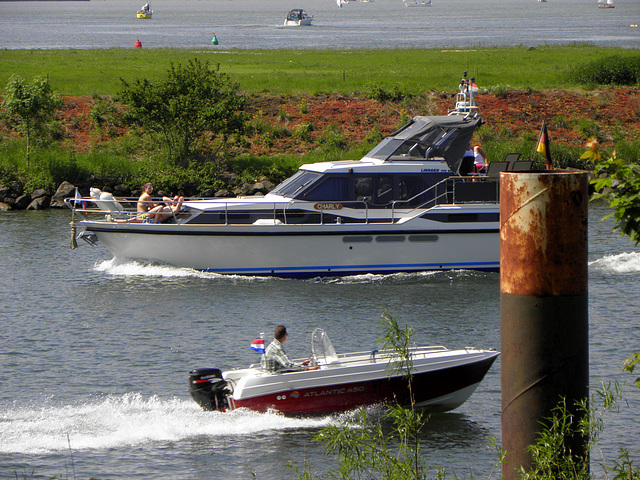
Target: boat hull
(298,23)
(438,386)
(144,15)
(439,391)
(300,251)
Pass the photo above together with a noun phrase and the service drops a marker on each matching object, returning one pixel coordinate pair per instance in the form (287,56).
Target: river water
(250,24)
(95,354)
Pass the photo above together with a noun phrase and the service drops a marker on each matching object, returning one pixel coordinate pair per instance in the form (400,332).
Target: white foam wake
(621,263)
(129,420)
(131,268)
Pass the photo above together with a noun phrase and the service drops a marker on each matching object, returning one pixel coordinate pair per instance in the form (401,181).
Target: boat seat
(467,166)
(107,203)
(522,166)
(494,168)
(511,157)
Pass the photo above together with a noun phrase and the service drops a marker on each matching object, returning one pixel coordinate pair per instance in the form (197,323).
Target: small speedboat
(145,11)
(298,17)
(442,380)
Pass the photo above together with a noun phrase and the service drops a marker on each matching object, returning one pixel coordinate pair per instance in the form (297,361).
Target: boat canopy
(429,138)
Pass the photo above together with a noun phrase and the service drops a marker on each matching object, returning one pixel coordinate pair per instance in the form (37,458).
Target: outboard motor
(209,389)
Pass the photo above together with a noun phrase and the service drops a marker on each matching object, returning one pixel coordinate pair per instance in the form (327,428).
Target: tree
(30,106)
(194,104)
(620,186)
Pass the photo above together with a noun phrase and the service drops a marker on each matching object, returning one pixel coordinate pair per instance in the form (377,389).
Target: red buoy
(138,43)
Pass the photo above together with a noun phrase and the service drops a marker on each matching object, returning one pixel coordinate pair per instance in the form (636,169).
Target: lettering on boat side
(328,206)
(334,391)
(322,393)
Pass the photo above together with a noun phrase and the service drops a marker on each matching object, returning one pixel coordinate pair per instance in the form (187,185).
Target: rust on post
(543,233)
(543,304)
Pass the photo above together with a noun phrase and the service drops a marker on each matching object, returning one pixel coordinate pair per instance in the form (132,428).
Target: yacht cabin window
(382,190)
(333,188)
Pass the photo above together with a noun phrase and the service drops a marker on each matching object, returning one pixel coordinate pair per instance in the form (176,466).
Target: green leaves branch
(618,183)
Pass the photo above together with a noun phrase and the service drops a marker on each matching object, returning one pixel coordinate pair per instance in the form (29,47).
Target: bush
(380,94)
(612,70)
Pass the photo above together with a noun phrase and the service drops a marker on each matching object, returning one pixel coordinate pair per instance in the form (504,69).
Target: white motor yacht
(411,204)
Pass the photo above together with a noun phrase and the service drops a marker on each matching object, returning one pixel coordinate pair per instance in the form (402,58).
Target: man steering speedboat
(275,360)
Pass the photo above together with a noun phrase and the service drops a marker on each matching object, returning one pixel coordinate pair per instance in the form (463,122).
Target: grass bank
(98,71)
(308,106)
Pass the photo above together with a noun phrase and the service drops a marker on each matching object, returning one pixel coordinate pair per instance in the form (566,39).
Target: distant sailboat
(606,4)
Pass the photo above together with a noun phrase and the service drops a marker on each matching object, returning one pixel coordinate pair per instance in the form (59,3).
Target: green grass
(98,71)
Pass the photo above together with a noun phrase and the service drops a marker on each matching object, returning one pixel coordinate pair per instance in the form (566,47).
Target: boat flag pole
(73,245)
(543,145)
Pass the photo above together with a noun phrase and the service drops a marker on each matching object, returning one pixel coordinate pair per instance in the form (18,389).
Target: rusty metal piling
(543,304)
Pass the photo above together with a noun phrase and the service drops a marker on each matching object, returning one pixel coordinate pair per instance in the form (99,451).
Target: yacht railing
(118,210)
(451,190)
(446,192)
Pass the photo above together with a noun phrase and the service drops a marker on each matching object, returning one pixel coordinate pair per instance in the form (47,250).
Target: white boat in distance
(298,17)
(417,3)
(411,204)
(442,380)
(606,4)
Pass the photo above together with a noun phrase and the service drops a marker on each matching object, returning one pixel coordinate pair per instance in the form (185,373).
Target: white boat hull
(298,23)
(307,250)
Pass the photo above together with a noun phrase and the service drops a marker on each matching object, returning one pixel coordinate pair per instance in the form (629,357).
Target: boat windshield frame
(295,183)
(429,139)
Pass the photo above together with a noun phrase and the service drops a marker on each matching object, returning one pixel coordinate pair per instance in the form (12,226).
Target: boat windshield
(428,138)
(291,186)
(322,348)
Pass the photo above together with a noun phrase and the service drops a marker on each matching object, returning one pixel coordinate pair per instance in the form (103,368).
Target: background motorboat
(442,380)
(145,11)
(298,17)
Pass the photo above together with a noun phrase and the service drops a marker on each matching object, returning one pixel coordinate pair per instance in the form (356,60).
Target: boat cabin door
(322,349)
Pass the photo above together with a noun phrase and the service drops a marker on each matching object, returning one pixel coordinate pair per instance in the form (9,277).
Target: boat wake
(133,268)
(136,268)
(617,264)
(435,275)
(129,420)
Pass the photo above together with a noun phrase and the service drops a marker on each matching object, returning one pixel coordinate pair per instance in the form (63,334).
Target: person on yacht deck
(480,159)
(146,206)
(172,206)
(275,360)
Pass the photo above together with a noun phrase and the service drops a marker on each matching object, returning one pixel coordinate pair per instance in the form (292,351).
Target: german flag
(543,145)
